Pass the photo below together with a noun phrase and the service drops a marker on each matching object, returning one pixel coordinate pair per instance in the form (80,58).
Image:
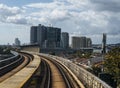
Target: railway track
(12,67)
(52,74)
(45,75)
(63,79)
(21,78)
(69,80)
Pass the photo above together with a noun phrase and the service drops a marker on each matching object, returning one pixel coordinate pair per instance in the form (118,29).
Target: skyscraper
(81,42)
(41,35)
(33,35)
(104,43)
(65,40)
(53,37)
(76,42)
(46,37)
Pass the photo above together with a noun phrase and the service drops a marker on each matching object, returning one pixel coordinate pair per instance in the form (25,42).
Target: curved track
(52,73)
(11,65)
(45,75)
(21,78)
(10,69)
(70,82)
(64,76)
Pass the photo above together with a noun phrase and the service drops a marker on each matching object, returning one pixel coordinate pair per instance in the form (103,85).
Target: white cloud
(59,15)
(43,5)
(17,19)
(12,15)
(9,11)
(84,16)
(79,3)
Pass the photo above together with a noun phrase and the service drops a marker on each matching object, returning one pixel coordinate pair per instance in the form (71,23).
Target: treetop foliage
(112,63)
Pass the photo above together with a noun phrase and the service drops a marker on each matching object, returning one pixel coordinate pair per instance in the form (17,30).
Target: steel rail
(65,76)
(46,74)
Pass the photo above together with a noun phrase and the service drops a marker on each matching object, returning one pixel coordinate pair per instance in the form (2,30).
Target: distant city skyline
(90,18)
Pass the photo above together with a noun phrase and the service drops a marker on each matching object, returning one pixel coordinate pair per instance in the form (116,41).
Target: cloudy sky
(88,18)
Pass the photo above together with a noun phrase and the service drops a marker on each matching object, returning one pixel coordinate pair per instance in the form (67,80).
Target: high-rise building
(81,42)
(104,43)
(33,35)
(53,37)
(76,42)
(17,42)
(41,35)
(46,37)
(65,40)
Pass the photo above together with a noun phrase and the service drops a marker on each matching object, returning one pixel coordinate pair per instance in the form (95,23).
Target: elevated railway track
(52,74)
(20,78)
(47,71)
(45,75)
(60,76)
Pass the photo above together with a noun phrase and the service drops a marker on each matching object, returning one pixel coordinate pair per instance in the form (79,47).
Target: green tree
(112,63)
(96,70)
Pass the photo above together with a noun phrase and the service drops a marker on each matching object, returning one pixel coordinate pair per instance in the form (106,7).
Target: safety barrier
(89,80)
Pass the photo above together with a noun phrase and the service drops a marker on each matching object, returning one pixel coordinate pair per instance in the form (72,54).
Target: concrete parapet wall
(88,79)
(31,49)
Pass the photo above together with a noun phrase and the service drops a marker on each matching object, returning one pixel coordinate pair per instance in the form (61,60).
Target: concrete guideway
(87,78)
(73,76)
(21,77)
(15,70)
(57,79)
(82,77)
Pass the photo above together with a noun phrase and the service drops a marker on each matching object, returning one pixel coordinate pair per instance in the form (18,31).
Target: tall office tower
(17,42)
(81,42)
(46,37)
(88,42)
(65,40)
(53,37)
(76,42)
(33,35)
(41,35)
(104,43)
